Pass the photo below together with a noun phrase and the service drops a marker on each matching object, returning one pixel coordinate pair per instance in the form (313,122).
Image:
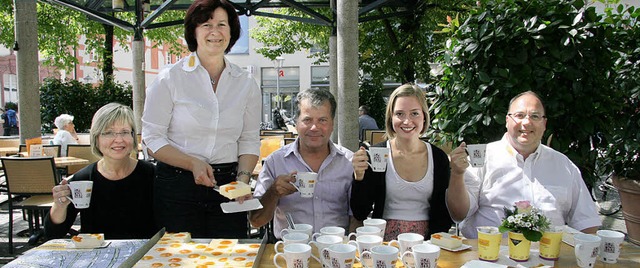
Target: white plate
(232,207)
(104,245)
(463,247)
(482,264)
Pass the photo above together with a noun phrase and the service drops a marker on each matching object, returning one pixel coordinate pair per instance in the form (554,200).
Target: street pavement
(614,222)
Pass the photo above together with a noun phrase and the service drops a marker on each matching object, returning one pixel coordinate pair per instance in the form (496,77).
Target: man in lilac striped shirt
(313,151)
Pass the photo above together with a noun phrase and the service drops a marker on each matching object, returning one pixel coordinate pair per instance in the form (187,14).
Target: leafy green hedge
(78,99)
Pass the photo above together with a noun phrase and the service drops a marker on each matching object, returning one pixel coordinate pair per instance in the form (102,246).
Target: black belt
(217,168)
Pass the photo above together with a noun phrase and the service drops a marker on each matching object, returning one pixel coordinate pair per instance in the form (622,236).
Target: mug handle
(275,261)
(406,254)
(315,236)
(350,235)
(394,242)
(275,247)
(355,244)
(284,232)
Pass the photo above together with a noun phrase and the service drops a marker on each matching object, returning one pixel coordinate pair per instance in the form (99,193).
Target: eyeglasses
(518,117)
(112,135)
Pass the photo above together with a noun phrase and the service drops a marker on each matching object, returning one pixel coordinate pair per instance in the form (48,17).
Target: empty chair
(377,136)
(47,149)
(80,151)
(33,177)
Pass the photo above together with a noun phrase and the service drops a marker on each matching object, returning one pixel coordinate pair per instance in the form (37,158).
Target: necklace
(213,82)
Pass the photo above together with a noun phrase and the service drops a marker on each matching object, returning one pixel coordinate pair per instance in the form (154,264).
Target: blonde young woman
(412,193)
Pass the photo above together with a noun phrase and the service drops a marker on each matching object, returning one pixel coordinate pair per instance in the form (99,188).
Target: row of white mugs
(340,255)
(337,250)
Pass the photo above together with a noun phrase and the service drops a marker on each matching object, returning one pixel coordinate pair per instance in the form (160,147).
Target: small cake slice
(446,240)
(88,240)
(235,189)
(182,237)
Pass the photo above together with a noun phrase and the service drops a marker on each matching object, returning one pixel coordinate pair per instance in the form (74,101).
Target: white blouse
(182,110)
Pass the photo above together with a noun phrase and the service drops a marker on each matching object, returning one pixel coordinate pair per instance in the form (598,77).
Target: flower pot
(629,190)
(519,247)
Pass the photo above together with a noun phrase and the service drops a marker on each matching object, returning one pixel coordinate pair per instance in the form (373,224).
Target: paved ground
(614,222)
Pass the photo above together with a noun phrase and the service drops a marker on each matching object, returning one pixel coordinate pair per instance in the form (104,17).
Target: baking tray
(135,257)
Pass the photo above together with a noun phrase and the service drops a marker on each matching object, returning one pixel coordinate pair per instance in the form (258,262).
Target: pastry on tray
(88,240)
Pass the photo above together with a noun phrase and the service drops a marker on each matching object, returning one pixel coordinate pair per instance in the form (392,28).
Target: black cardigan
(370,193)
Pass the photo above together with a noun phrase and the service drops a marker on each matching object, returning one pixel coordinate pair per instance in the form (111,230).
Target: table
(54,253)
(629,257)
(4,151)
(62,162)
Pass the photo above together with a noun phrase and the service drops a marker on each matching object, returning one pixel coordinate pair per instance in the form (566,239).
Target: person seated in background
(413,194)
(313,151)
(121,204)
(365,121)
(520,168)
(66,133)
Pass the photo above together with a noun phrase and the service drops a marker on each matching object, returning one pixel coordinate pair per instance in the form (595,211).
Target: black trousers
(182,206)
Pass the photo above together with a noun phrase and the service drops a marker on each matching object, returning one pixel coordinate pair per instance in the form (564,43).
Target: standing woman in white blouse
(201,122)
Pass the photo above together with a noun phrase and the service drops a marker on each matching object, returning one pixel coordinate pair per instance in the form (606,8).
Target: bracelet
(244,172)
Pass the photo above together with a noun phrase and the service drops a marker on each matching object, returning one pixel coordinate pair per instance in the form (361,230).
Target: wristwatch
(244,172)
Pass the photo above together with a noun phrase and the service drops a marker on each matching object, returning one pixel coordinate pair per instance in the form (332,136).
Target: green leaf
(577,19)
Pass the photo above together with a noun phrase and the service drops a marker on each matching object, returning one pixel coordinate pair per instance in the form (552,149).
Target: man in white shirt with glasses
(519,168)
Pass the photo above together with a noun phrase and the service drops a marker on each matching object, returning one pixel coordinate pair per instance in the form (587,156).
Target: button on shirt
(182,110)
(547,178)
(329,205)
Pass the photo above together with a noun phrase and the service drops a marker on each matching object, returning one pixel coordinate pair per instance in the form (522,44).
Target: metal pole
(278,88)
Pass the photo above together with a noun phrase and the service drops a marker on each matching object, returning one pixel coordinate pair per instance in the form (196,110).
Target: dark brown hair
(200,11)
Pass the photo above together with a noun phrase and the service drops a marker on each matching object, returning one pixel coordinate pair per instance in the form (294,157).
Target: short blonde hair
(62,120)
(406,90)
(106,117)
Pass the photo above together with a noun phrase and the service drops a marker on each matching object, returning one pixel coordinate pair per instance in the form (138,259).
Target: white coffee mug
(380,223)
(407,240)
(364,230)
(422,255)
(610,245)
(295,255)
(381,256)
(339,256)
(476,154)
(586,249)
(329,230)
(291,238)
(378,158)
(300,228)
(306,183)
(81,193)
(366,242)
(324,241)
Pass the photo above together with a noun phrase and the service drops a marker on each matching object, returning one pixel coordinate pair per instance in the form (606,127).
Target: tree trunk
(107,56)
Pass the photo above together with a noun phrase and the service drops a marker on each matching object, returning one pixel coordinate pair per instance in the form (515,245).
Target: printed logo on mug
(306,183)
(586,249)
(610,245)
(476,154)
(81,193)
(378,157)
